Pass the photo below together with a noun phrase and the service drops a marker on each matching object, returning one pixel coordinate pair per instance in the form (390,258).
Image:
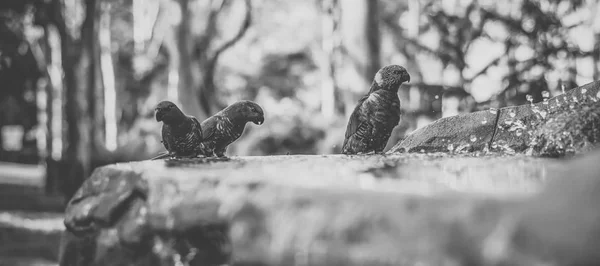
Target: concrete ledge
(313,210)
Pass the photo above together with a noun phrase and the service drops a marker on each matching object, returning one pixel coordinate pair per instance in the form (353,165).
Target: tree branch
(401,40)
(158,32)
(485,69)
(208,90)
(205,39)
(241,32)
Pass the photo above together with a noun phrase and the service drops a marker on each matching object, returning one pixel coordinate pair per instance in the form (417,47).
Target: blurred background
(81,77)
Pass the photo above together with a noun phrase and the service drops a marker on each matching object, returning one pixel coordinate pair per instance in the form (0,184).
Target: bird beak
(407,78)
(159,115)
(260,120)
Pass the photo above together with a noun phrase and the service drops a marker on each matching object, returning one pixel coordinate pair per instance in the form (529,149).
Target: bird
(376,114)
(226,126)
(181,133)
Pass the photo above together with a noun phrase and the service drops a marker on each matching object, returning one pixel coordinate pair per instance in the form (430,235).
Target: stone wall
(513,129)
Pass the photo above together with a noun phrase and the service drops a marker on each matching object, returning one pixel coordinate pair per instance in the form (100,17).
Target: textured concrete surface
(312,210)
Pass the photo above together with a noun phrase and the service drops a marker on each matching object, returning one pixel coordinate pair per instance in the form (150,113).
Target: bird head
(168,112)
(391,77)
(248,111)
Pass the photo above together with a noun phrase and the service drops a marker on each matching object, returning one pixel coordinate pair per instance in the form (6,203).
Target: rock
(323,210)
(462,133)
(572,132)
(517,126)
(105,222)
(514,128)
(510,129)
(101,199)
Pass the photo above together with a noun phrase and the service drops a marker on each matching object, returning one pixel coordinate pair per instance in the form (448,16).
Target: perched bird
(227,126)
(376,114)
(181,134)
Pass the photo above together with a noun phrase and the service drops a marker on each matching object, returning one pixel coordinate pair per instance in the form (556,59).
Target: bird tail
(161,156)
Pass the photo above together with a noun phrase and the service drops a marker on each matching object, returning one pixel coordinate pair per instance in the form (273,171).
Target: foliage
(271,51)
(289,129)
(532,27)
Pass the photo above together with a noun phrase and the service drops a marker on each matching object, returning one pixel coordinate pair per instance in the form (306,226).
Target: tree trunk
(55,106)
(208,62)
(595,24)
(330,24)
(360,39)
(596,56)
(170,44)
(108,80)
(373,38)
(188,85)
(96,93)
(79,81)
(410,51)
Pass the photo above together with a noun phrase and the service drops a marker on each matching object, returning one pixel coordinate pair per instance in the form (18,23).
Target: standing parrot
(376,114)
(227,126)
(181,134)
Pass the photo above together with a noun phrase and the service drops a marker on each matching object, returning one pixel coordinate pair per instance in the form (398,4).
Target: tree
(19,75)
(527,24)
(108,110)
(595,24)
(330,44)
(199,56)
(78,44)
(361,44)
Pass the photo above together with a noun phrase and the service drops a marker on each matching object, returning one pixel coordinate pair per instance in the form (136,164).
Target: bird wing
(357,125)
(384,110)
(196,127)
(166,134)
(209,126)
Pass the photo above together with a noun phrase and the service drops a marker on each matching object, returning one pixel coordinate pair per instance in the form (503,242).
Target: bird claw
(163,155)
